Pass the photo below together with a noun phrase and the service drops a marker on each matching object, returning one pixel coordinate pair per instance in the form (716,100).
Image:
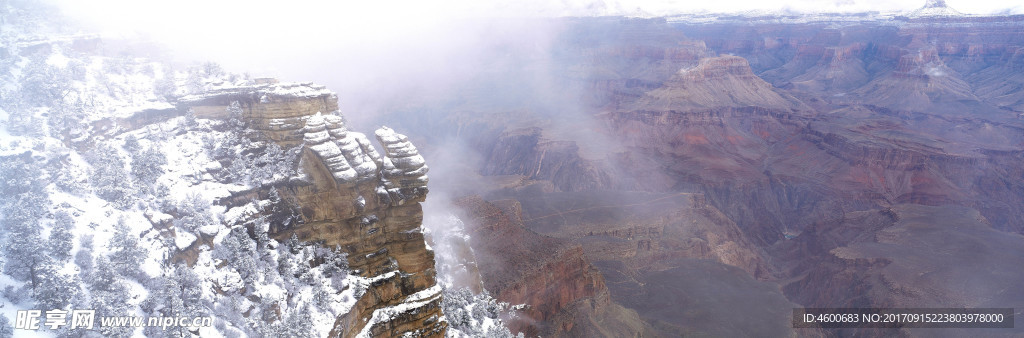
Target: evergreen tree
(176,294)
(109,292)
(21,174)
(189,122)
(131,144)
(147,166)
(195,82)
(239,251)
(189,291)
(69,178)
(236,118)
(335,262)
(84,256)
(56,290)
(23,202)
(61,237)
(67,116)
(24,252)
(109,177)
(212,69)
(6,329)
(125,252)
(194,213)
(299,323)
(41,83)
(105,278)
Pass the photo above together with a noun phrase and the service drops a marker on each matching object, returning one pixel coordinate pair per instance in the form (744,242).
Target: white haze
(375,54)
(373,51)
(271,36)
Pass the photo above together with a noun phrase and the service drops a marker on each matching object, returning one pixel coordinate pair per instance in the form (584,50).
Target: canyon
(694,175)
(744,166)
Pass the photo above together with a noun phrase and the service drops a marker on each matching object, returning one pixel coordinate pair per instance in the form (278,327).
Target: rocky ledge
(347,194)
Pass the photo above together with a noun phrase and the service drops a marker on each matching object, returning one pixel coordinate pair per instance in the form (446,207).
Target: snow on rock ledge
(405,171)
(278,110)
(350,158)
(318,139)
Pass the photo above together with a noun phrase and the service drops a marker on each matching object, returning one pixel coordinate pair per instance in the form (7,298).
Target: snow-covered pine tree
(177,294)
(56,289)
(212,69)
(334,266)
(24,250)
(239,251)
(131,145)
(83,258)
(190,292)
(6,329)
(299,323)
(194,213)
(61,238)
(109,292)
(69,177)
(467,313)
(23,204)
(21,174)
(109,177)
(41,83)
(105,278)
(195,82)
(67,116)
(147,166)
(189,122)
(126,255)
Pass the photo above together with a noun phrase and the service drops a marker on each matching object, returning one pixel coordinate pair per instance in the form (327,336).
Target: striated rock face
(919,79)
(526,152)
(715,82)
(348,195)
(404,170)
(934,61)
(278,110)
(560,287)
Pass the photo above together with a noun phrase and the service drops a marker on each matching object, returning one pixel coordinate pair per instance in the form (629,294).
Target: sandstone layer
(347,195)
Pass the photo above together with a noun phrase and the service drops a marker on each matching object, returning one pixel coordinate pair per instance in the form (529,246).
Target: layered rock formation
(527,152)
(278,110)
(744,170)
(715,82)
(563,293)
(349,195)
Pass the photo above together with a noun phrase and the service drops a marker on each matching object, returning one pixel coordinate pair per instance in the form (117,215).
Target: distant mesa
(935,8)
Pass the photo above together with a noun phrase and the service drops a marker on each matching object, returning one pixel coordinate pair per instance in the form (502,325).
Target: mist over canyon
(681,175)
(731,169)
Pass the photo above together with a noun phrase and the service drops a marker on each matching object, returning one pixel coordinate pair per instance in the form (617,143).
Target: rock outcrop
(563,292)
(527,152)
(350,196)
(724,81)
(278,110)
